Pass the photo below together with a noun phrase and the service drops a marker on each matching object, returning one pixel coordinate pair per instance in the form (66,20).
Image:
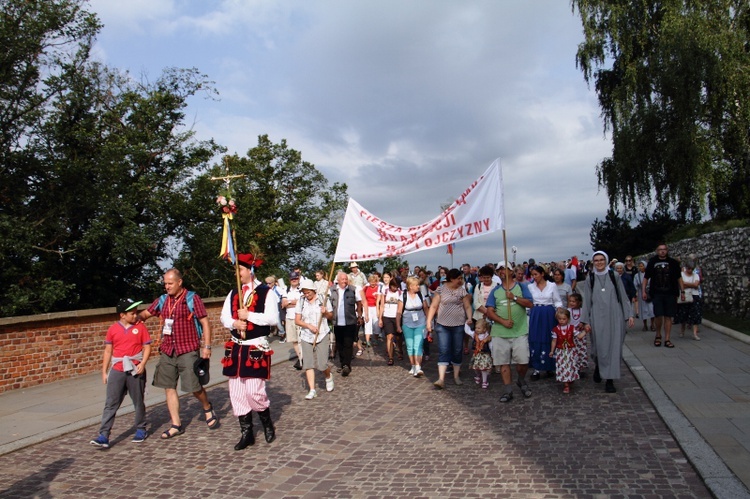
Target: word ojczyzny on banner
(476,212)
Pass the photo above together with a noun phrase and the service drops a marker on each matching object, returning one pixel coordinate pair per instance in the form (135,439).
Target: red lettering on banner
(462,198)
(382,224)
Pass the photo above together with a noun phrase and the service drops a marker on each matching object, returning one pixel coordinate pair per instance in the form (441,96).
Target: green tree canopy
(286,209)
(617,237)
(673,81)
(102,184)
(92,163)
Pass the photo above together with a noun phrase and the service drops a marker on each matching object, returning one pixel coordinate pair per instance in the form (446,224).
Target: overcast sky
(407,102)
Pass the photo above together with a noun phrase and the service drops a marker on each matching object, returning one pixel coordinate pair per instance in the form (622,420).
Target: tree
(613,235)
(92,163)
(41,40)
(673,81)
(286,209)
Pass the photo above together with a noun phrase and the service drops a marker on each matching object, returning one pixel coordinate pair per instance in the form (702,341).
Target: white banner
(476,212)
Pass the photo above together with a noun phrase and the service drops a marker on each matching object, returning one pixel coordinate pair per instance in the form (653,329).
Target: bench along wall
(38,349)
(724,258)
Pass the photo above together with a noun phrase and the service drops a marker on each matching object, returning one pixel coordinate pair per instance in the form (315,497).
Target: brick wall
(38,349)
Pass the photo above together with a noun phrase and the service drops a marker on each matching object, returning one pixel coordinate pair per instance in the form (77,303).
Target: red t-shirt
(126,341)
(371,294)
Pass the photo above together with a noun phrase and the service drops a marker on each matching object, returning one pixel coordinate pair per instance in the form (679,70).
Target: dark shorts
(664,305)
(170,369)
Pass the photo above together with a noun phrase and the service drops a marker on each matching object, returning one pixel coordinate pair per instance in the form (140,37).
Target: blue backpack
(190,300)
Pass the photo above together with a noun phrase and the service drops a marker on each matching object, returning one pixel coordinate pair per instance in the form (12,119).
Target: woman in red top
(371,296)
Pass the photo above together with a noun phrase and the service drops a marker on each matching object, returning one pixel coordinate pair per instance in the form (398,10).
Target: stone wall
(724,259)
(50,347)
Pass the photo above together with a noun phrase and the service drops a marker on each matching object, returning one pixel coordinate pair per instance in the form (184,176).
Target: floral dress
(566,355)
(482,359)
(582,347)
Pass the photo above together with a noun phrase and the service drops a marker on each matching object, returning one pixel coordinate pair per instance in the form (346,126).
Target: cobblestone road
(381,433)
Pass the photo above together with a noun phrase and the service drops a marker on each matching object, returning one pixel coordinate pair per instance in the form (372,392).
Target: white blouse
(546,296)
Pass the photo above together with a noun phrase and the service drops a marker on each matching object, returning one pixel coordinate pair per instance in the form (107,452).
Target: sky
(407,102)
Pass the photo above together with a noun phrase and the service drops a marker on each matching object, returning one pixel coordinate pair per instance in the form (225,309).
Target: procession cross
(227,180)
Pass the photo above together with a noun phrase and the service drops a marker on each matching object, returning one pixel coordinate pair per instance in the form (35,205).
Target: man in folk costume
(247,356)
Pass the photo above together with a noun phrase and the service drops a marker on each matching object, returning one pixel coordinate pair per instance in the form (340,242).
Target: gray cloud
(407,102)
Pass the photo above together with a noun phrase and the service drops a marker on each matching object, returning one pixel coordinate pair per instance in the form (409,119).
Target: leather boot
(268,429)
(246,426)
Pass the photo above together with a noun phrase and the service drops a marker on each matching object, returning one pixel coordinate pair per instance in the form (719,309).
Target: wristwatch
(515,298)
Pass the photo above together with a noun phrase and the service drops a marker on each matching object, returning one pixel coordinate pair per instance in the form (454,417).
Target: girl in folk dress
(563,349)
(481,361)
(582,349)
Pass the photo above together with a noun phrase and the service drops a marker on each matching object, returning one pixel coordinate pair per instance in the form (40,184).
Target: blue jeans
(450,344)
(414,337)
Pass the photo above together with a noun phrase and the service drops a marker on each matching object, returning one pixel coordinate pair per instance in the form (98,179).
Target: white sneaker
(329,384)
(311,395)
(413,370)
(419,373)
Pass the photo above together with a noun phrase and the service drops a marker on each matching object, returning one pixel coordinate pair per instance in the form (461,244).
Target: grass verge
(739,325)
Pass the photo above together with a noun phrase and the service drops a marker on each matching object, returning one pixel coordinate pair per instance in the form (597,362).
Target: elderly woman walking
(311,316)
(689,312)
(606,312)
(413,311)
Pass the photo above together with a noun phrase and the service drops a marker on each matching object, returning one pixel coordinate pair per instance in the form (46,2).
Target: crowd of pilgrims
(402,309)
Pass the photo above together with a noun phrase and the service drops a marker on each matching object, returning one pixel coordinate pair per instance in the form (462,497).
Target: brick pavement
(381,433)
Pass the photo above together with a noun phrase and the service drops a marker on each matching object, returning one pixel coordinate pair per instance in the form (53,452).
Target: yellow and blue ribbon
(227,246)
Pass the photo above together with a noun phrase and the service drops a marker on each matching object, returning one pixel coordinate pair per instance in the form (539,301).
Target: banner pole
(507,271)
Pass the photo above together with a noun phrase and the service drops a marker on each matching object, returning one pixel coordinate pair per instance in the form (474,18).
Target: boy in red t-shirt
(128,346)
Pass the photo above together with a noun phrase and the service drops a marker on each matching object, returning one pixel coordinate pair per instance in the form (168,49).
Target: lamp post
(514,250)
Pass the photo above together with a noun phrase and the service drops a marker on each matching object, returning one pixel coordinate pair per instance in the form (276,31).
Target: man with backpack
(185,338)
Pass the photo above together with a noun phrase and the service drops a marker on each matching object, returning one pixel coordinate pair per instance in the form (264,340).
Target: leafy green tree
(41,41)
(287,210)
(673,81)
(652,230)
(92,164)
(613,235)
